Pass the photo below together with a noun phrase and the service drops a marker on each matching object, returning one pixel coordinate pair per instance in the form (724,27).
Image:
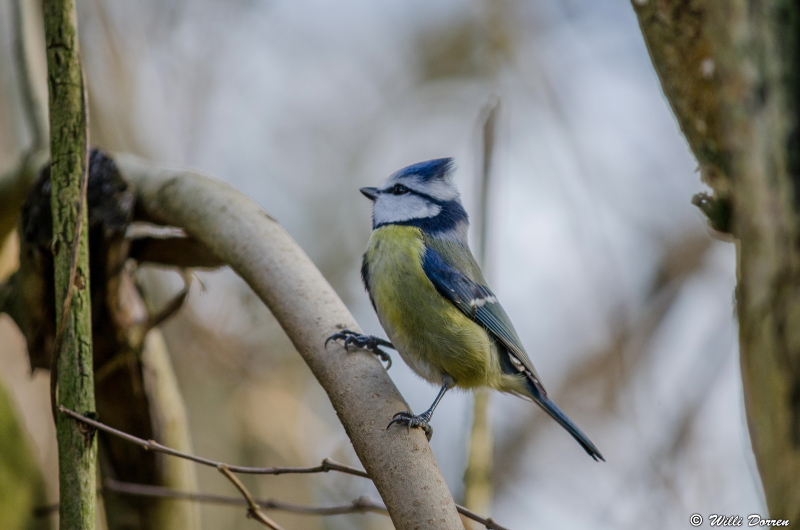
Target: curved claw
(411,421)
(345,334)
(385,357)
(366,342)
(335,336)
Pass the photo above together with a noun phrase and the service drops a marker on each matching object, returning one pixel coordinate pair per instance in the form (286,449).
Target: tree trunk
(731,71)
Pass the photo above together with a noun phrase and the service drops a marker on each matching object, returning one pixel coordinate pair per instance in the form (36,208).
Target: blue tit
(433,301)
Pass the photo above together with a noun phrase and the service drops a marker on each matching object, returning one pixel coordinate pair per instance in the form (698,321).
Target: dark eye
(399,189)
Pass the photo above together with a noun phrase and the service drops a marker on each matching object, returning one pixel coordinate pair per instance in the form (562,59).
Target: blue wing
(479,303)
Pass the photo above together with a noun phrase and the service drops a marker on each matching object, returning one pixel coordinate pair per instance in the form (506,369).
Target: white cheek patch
(399,208)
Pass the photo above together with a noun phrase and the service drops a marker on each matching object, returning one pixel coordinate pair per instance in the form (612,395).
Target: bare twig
(138,333)
(360,505)
(326,466)
(172,306)
(151,445)
(253,509)
(489,523)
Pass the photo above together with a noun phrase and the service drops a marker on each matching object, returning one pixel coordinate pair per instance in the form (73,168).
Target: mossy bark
(736,66)
(77,449)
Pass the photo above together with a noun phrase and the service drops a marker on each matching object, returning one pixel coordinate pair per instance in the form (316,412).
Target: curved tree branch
(270,261)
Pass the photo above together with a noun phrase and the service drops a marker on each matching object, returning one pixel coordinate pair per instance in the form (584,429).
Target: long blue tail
(557,414)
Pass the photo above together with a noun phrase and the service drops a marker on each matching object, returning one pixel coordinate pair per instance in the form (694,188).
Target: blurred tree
(140,393)
(731,72)
(21,484)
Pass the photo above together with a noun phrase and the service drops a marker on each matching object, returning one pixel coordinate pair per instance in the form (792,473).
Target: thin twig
(253,509)
(360,505)
(489,523)
(326,466)
(172,306)
(151,445)
(138,334)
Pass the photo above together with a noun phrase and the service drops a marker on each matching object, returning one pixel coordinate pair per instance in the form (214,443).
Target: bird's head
(421,194)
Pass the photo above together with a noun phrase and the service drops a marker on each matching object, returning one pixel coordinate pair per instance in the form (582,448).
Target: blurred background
(618,290)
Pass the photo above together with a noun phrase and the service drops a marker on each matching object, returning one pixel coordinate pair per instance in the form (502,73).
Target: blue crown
(438,168)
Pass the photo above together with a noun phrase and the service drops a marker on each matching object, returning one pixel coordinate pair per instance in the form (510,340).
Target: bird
(432,300)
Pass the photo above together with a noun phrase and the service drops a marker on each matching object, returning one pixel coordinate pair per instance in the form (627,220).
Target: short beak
(370,193)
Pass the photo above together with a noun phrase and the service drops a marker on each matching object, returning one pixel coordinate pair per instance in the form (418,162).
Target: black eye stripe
(413,192)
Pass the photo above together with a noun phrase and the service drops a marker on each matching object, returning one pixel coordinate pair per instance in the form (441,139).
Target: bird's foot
(412,421)
(370,343)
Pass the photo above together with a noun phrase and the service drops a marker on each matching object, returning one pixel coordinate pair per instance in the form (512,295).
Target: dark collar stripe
(450,217)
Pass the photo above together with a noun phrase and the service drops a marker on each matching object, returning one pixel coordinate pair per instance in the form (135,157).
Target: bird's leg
(421,420)
(370,343)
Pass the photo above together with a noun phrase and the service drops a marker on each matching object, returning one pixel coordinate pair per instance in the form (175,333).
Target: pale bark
(171,425)
(268,259)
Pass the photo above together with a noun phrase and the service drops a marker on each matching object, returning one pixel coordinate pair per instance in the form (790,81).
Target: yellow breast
(432,335)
